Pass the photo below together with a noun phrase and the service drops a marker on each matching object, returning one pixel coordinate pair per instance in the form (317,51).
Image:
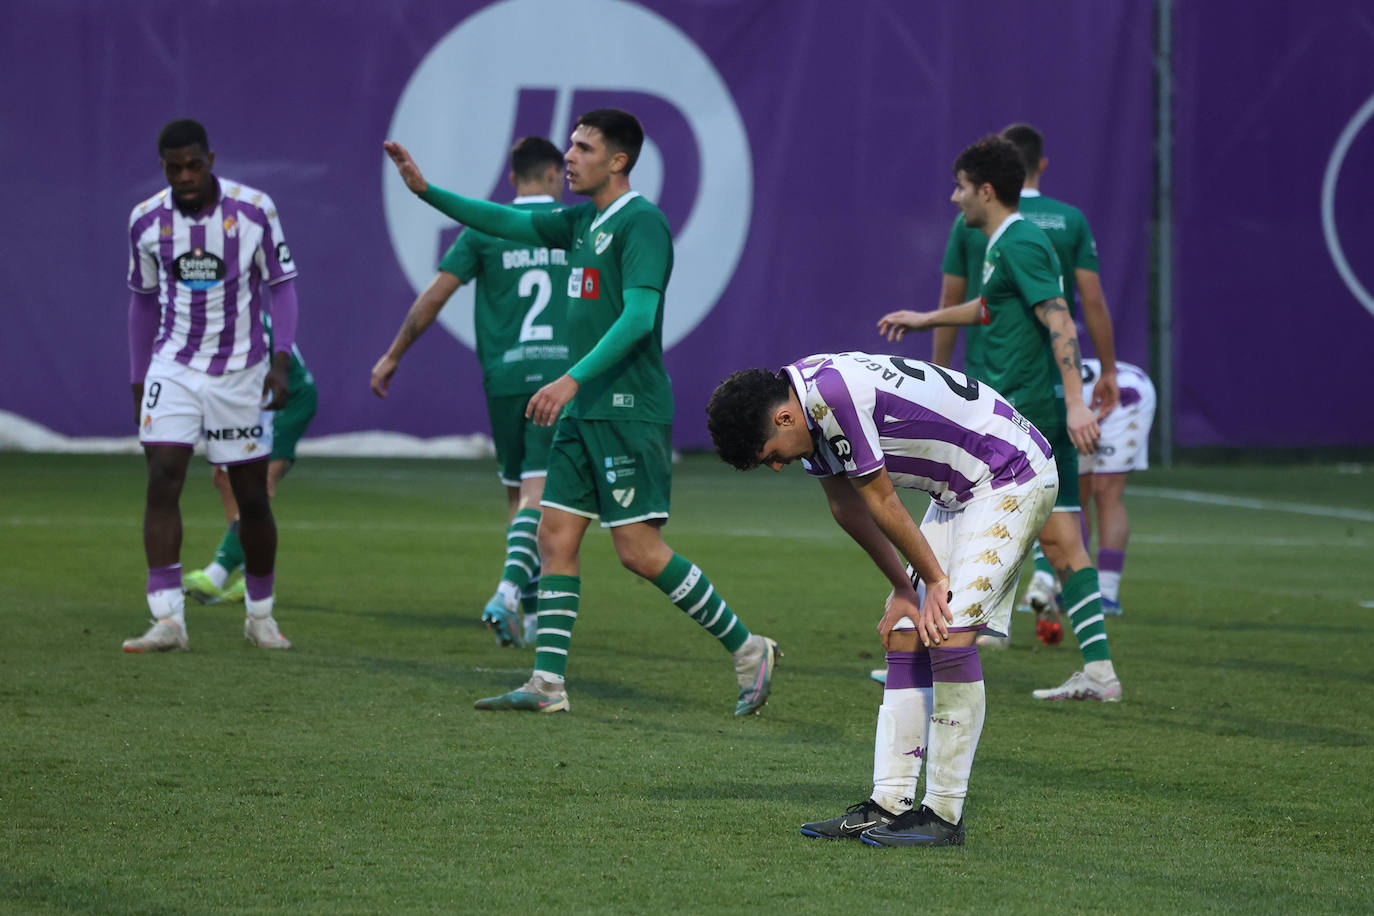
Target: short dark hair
(1029,142)
(994,161)
(530,156)
(621,129)
(182,132)
(739,415)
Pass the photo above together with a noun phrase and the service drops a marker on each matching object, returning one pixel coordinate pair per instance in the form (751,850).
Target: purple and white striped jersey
(934,429)
(209,273)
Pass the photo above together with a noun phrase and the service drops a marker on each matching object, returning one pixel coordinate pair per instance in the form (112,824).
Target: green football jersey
(1021,270)
(519,312)
(1070,235)
(627,245)
(964,258)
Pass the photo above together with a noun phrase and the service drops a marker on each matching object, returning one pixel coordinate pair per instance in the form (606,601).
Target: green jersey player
(611,456)
(519,323)
(1032,353)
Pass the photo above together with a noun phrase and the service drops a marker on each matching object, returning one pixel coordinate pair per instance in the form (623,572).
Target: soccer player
(519,319)
(864,424)
(208,585)
(1123,448)
(611,455)
(203,254)
(1032,357)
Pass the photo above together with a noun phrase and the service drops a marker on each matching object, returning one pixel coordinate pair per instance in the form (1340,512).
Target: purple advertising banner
(1274,214)
(801,150)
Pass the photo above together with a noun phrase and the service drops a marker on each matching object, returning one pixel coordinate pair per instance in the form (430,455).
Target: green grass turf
(352,775)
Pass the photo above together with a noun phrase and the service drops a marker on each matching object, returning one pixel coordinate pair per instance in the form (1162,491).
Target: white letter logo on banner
(1329,182)
(529,67)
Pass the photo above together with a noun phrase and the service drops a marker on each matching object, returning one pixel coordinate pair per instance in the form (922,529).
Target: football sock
(529,597)
(688,588)
(903,721)
(1110,564)
(165,597)
(956,722)
(228,556)
(1043,569)
(258,594)
(1083,603)
(557,609)
(522,550)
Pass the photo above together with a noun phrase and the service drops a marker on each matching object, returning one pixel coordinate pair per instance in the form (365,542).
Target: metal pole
(1164,227)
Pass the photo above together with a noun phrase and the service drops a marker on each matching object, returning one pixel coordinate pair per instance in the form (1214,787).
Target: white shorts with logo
(181,405)
(1125,442)
(981,547)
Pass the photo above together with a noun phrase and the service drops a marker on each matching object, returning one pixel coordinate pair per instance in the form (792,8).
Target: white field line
(1247,502)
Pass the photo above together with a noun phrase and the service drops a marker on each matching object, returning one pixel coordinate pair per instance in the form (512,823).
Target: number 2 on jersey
(535,283)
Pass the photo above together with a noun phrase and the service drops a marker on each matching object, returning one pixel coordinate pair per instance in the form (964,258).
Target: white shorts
(1125,442)
(181,405)
(981,547)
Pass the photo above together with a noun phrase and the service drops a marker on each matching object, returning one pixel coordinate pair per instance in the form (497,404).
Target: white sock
(1100,671)
(1044,581)
(899,747)
(549,676)
(1110,583)
(956,724)
(509,592)
(168,603)
(218,574)
(259,608)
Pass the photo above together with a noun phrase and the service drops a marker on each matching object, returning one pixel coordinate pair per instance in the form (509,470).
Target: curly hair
(995,161)
(739,411)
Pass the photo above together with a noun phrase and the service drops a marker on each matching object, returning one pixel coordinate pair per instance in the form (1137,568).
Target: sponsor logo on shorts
(941,720)
(622,400)
(982,584)
(624,497)
(230,433)
(917,752)
(988,558)
(975,609)
(1009,504)
(610,476)
(998,531)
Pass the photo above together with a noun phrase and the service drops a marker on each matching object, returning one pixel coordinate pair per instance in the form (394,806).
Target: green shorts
(289,423)
(618,470)
(1053,424)
(522,449)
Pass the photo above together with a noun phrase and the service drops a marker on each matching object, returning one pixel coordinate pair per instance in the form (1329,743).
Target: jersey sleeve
(464,257)
(143,272)
(844,418)
(557,228)
(1084,245)
(955,263)
(275,260)
(1035,269)
(646,253)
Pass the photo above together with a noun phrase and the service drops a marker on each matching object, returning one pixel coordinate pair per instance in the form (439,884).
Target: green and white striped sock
(688,588)
(1083,603)
(522,549)
(558,597)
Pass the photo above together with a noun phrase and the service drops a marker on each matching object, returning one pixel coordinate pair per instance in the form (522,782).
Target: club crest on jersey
(584,283)
(988,268)
(199,269)
(603,241)
(231,227)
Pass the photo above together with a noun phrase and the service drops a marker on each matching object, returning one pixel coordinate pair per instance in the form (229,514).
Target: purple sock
(958,665)
(163,577)
(908,669)
(1111,560)
(258,587)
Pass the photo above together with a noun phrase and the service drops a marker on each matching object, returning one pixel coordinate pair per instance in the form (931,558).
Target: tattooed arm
(1054,315)
(421,315)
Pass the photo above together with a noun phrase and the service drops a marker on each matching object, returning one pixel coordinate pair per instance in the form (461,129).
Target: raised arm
(1054,315)
(494,219)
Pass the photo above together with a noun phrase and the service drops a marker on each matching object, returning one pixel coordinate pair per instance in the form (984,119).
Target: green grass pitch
(351,774)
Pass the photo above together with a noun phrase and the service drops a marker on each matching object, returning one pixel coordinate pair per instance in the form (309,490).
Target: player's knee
(903,641)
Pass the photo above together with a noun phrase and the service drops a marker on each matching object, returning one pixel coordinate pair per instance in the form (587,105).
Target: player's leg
(1114,530)
(899,744)
(170,426)
(531,492)
(568,506)
(522,459)
(207,585)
